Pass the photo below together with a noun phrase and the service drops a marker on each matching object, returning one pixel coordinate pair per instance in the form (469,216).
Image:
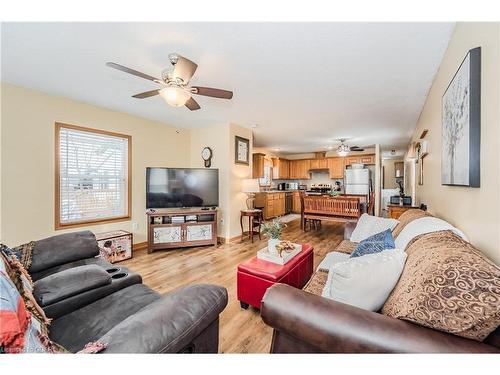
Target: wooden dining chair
(371,204)
(315,224)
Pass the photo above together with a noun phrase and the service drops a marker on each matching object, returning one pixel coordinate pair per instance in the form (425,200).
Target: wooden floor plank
(241,331)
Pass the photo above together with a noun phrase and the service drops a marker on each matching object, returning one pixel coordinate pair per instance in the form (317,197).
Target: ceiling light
(175,96)
(276,149)
(343,149)
(253,126)
(329,147)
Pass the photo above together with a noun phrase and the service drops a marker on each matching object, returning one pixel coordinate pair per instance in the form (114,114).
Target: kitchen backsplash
(316,178)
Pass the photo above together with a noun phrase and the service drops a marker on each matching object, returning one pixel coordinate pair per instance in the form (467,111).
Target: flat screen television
(182,187)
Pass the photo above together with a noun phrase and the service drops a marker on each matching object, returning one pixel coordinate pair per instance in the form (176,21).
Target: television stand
(171,228)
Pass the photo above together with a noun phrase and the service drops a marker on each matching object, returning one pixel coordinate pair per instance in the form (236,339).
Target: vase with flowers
(273,230)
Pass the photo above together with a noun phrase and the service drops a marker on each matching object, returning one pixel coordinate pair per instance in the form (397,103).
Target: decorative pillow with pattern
(374,244)
(449,286)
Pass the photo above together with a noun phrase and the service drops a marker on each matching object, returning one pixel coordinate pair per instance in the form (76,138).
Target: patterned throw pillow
(374,244)
(447,285)
(24,253)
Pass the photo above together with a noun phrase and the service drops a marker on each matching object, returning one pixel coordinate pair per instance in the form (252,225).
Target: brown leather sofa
(308,323)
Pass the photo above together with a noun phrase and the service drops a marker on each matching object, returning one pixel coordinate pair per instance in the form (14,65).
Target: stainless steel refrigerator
(357,181)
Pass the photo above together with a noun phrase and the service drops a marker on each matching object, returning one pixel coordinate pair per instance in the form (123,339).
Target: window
(92,176)
(266,180)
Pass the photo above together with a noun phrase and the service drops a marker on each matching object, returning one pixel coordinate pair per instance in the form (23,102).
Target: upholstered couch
(91,300)
(413,320)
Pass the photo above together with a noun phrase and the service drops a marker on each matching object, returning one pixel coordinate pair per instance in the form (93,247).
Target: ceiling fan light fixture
(175,96)
(343,149)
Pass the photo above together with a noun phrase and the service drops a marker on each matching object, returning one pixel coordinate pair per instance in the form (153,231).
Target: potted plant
(273,230)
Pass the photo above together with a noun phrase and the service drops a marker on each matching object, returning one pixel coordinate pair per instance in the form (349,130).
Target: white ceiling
(304,84)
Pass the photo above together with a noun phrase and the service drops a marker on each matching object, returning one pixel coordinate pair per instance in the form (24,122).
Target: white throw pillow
(369,225)
(424,225)
(365,281)
(331,258)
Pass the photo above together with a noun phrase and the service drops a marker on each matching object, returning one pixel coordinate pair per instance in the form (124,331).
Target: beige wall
(27,159)
(215,137)
(238,172)
(220,138)
(390,173)
(473,210)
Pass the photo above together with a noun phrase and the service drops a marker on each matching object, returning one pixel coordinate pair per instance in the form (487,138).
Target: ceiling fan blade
(214,93)
(192,104)
(133,72)
(184,69)
(146,94)
(356,148)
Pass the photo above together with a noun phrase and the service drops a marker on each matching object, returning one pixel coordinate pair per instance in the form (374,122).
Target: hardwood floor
(241,331)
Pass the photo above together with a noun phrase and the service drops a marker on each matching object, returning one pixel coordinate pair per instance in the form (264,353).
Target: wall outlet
(135,225)
(221,222)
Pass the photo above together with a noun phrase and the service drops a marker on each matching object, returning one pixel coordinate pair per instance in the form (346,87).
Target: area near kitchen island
(307,172)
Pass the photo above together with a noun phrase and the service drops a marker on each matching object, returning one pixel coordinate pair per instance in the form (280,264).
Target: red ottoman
(256,275)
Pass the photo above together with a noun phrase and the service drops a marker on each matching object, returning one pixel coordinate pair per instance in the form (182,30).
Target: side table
(255,219)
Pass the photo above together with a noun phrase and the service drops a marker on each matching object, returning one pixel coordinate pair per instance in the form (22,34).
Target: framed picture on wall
(461,124)
(241,150)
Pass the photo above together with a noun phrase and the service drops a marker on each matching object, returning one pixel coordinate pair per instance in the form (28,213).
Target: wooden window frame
(57,191)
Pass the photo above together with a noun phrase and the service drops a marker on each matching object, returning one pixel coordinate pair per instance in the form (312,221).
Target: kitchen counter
(279,191)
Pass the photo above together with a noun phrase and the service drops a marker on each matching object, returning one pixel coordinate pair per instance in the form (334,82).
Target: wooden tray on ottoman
(256,275)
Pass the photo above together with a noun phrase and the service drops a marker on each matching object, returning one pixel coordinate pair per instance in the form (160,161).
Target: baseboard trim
(140,246)
(221,240)
(224,240)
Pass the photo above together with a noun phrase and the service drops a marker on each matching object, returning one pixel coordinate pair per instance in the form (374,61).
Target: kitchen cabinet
(296,202)
(258,165)
(367,159)
(281,169)
(395,210)
(336,167)
(299,169)
(273,204)
(319,164)
(360,159)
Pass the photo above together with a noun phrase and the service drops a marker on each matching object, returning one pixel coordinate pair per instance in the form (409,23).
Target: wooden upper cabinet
(367,159)
(281,169)
(304,167)
(258,165)
(336,167)
(360,159)
(319,163)
(299,169)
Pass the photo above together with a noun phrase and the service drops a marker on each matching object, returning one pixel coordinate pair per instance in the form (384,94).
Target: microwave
(406,200)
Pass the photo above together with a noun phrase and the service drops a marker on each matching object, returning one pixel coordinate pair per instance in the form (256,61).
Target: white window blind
(93,170)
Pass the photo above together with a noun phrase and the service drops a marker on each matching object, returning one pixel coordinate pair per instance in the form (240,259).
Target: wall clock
(206,155)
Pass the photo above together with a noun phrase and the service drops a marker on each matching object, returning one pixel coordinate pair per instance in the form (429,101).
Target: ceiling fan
(343,149)
(175,90)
